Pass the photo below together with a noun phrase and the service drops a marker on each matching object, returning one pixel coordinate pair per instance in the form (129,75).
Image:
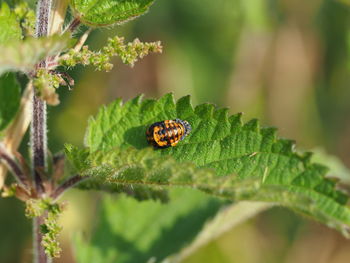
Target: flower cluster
(129,54)
(45,83)
(50,228)
(26,16)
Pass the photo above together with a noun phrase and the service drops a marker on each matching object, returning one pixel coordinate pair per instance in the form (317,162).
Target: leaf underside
(131,232)
(222,156)
(109,12)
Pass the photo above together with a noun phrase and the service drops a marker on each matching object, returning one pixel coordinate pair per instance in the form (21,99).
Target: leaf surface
(222,156)
(109,12)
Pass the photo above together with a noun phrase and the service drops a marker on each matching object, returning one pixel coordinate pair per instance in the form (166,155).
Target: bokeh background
(286,62)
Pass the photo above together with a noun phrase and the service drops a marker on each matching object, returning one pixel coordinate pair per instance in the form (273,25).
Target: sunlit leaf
(222,156)
(108,12)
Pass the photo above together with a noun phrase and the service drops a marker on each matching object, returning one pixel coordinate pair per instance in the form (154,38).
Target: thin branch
(78,46)
(17,172)
(74,25)
(69,183)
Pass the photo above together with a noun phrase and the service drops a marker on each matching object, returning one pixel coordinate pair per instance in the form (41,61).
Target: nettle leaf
(129,231)
(24,55)
(10,94)
(109,12)
(222,156)
(10,27)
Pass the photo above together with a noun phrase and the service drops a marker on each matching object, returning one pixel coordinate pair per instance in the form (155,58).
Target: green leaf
(131,231)
(10,94)
(24,55)
(10,27)
(109,12)
(338,170)
(222,156)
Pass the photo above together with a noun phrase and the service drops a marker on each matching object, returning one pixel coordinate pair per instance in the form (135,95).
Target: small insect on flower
(167,133)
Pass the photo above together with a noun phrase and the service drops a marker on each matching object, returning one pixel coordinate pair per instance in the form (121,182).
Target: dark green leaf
(10,95)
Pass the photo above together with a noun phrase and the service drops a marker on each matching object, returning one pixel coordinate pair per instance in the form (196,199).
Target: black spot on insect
(167,133)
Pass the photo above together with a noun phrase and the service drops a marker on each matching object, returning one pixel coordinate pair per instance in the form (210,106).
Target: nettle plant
(227,159)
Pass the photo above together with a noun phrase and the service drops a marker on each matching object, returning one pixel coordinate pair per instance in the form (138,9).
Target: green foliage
(10,27)
(109,12)
(131,231)
(132,167)
(266,168)
(129,53)
(24,55)
(10,94)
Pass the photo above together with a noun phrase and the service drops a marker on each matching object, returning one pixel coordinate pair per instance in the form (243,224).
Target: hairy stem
(38,140)
(74,25)
(38,132)
(69,183)
(39,252)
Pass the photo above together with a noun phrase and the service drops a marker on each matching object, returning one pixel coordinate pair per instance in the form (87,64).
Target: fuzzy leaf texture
(10,27)
(222,156)
(24,55)
(10,95)
(109,12)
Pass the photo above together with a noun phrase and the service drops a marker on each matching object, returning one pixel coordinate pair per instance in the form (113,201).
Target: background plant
(205,112)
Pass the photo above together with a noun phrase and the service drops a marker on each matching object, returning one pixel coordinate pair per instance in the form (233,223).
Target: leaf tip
(252,125)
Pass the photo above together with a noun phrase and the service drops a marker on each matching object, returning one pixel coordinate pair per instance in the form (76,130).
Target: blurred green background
(286,62)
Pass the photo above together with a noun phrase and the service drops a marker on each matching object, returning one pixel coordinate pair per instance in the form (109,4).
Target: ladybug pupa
(167,133)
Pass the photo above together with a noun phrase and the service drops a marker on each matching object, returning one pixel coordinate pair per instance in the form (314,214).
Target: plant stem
(69,183)
(39,253)
(38,132)
(38,138)
(17,172)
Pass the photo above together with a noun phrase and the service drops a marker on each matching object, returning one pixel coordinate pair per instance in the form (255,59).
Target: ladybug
(167,133)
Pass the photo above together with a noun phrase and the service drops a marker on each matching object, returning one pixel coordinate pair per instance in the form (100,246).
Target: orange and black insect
(167,133)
